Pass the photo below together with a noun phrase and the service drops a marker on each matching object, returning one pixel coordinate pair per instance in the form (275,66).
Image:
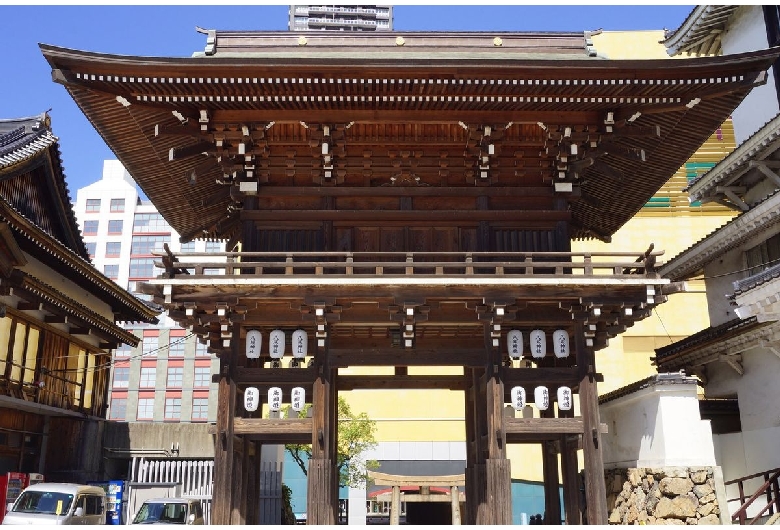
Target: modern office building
(341,18)
(167,377)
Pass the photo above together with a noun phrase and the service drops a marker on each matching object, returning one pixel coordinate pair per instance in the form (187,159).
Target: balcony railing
(769,491)
(410,264)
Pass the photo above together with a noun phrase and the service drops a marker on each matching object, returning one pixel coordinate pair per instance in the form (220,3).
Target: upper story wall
(746,31)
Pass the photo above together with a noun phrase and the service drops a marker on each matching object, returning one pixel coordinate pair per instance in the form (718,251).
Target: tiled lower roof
(673,378)
(746,284)
(704,336)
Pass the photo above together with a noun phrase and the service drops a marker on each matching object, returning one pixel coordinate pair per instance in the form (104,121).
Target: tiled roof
(726,237)
(706,335)
(673,378)
(21,144)
(700,32)
(746,284)
(759,146)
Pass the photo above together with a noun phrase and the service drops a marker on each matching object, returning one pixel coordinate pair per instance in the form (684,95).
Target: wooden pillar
(250,488)
(322,475)
(595,488)
(552,495)
(237,516)
(498,469)
(395,506)
(571,483)
(222,502)
(471,447)
(455,505)
(482,513)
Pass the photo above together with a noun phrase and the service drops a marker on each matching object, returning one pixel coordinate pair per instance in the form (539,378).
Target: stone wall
(670,495)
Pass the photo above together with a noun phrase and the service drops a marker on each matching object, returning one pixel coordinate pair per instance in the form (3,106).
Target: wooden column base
(496,509)
(321,507)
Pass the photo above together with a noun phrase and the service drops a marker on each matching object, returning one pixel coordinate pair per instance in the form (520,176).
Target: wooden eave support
(406,216)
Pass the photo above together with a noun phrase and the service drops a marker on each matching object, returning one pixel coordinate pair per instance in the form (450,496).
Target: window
(111,271)
(121,377)
(215,246)
(176,346)
(173,408)
(115,226)
(145,409)
(93,205)
(763,256)
(202,377)
(201,350)
(142,268)
(118,409)
(93,505)
(175,376)
(117,205)
(148,377)
(113,249)
(90,228)
(150,222)
(151,344)
(145,245)
(200,409)
(91,247)
(123,350)
(188,247)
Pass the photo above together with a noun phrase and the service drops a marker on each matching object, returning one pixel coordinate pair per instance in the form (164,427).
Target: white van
(58,503)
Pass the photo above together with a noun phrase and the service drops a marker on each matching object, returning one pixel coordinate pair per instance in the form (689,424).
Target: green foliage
(288,516)
(356,434)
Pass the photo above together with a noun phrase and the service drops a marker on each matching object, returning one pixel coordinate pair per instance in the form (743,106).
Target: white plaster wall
(658,426)
(757,390)
(746,31)
(721,272)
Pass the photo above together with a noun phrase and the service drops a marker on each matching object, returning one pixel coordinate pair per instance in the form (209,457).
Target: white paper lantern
(564,398)
(561,343)
(254,344)
(538,344)
(300,344)
(541,397)
(298,398)
(518,397)
(251,399)
(276,344)
(274,398)
(514,343)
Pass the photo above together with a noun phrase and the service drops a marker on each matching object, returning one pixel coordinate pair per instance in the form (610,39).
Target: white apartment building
(167,377)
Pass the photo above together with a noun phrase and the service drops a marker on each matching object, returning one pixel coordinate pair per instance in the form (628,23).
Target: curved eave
(95,81)
(759,146)
(700,33)
(81,272)
(732,234)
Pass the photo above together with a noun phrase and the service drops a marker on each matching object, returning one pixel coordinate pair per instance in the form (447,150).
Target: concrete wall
(193,439)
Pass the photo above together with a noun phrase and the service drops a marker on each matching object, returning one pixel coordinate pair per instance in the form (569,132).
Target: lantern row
(538,343)
(252,398)
(541,398)
(276,344)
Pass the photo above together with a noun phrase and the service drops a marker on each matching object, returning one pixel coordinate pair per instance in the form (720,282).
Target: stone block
(701,490)
(614,517)
(708,498)
(699,477)
(634,476)
(705,509)
(676,485)
(710,519)
(678,508)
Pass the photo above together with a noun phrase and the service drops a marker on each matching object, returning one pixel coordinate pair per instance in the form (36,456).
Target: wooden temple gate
(406,200)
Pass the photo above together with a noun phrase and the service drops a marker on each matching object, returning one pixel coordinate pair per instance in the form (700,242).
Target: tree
(355,435)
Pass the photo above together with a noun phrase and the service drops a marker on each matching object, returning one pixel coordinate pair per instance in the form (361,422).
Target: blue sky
(26,88)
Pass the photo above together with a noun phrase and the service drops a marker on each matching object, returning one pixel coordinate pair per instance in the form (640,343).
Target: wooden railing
(548,264)
(769,490)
